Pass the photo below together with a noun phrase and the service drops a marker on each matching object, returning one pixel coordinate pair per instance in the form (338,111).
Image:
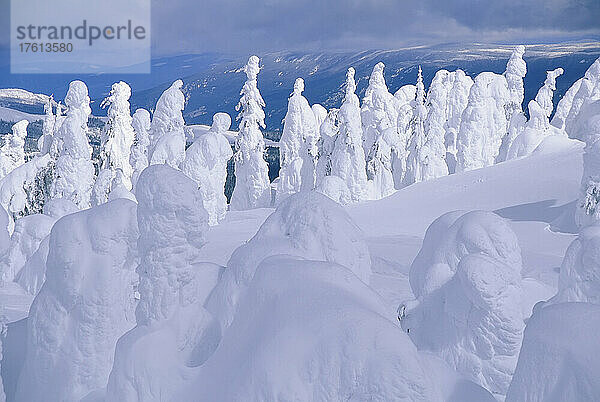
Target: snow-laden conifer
(139,149)
(74,170)
(348,158)
(168,136)
(206,163)
(252,187)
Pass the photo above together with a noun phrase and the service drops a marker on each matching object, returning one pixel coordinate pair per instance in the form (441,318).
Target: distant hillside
(213,81)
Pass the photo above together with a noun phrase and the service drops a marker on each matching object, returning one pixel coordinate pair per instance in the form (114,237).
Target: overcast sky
(186,26)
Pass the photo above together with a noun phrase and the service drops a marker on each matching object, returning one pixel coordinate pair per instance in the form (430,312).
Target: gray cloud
(254,26)
(234,25)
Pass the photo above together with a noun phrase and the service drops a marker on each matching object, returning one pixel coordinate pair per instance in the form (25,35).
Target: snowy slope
(13,116)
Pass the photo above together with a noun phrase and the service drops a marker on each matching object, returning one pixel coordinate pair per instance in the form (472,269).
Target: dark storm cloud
(251,25)
(237,25)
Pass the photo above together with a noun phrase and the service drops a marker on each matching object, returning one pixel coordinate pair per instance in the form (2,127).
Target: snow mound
(33,274)
(558,360)
(336,189)
(277,348)
(579,278)
(467,278)
(85,305)
(307,225)
(455,235)
(27,236)
(13,197)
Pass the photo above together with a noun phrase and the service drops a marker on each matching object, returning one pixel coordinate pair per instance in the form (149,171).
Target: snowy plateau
(432,234)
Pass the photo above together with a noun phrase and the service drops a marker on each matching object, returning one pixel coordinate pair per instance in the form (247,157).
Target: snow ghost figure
(320,114)
(379,161)
(579,278)
(118,135)
(516,68)
(252,187)
(306,249)
(348,158)
(298,150)
(564,105)
(328,136)
(206,163)
(483,123)
(538,127)
(437,104)
(139,149)
(417,150)
(467,280)
(12,153)
(457,102)
(586,88)
(371,115)
(167,143)
(406,97)
(171,320)
(35,242)
(86,303)
(74,171)
(45,140)
(558,360)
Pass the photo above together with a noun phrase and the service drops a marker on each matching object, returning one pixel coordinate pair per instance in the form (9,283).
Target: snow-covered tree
(348,158)
(139,149)
(538,127)
(45,140)
(379,159)
(74,170)
(330,129)
(118,135)
(564,105)
(516,69)
(298,150)
(12,153)
(435,125)
(406,97)
(370,114)
(167,144)
(320,114)
(206,163)
(417,155)
(587,84)
(457,102)
(483,123)
(545,95)
(252,187)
